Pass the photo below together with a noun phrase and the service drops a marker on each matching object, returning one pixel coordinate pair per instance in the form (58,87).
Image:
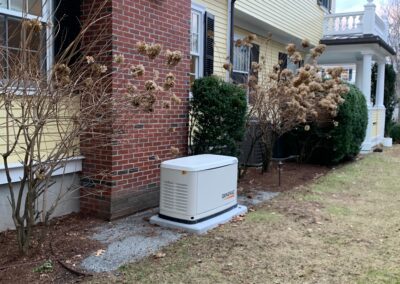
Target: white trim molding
(72,165)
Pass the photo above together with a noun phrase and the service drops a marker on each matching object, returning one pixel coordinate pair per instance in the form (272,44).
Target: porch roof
(356,40)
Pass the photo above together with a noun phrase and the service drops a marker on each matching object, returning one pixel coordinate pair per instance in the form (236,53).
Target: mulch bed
(293,175)
(65,244)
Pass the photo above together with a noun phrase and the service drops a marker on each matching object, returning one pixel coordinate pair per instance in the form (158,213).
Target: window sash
(6,13)
(197,50)
(241,59)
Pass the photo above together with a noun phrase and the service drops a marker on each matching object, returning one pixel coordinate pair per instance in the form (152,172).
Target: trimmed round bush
(395,133)
(337,141)
(218,116)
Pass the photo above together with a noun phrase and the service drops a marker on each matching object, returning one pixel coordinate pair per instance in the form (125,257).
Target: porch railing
(356,23)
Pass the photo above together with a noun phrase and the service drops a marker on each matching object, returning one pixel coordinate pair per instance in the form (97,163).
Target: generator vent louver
(174,196)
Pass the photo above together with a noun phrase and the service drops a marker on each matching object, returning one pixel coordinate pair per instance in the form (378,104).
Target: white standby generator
(198,188)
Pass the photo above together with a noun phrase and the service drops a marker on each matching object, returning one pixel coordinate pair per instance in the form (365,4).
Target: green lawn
(342,229)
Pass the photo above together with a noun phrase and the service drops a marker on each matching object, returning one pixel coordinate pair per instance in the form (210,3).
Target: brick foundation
(144,139)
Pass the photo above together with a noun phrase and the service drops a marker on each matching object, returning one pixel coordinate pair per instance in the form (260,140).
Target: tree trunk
(268,147)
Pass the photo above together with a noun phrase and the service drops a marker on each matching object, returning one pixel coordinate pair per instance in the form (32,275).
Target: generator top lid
(199,162)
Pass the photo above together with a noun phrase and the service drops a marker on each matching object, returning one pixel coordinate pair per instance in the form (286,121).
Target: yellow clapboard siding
(51,133)
(302,19)
(219,8)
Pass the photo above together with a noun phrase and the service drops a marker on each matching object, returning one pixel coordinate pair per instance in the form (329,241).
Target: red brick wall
(143,139)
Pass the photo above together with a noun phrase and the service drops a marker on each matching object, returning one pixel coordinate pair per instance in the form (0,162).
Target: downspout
(230,38)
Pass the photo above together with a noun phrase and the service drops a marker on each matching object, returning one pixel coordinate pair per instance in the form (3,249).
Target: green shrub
(218,116)
(333,142)
(395,133)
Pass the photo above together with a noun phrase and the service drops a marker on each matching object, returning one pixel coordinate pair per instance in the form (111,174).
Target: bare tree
(51,111)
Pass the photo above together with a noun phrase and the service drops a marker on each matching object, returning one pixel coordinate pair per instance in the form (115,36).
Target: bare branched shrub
(50,111)
(288,98)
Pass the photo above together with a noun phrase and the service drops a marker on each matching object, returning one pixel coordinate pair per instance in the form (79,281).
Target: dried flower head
(227,66)
(90,59)
(166,105)
(119,58)
(137,70)
(239,43)
(296,57)
(141,47)
(153,50)
(103,69)
(131,89)
(291,49)
(150,85)
(169,81)
(335,123)
(173,57)
(305,43)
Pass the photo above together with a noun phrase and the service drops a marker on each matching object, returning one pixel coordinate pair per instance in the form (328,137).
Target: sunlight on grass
(380,276)
(263,216)
(338,210)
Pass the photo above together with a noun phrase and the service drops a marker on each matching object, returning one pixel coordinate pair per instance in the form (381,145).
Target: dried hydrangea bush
(284,98)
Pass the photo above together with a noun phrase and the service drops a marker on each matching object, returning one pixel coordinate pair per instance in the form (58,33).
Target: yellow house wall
(49,139)
(219,8)
(375,123)
(302,19)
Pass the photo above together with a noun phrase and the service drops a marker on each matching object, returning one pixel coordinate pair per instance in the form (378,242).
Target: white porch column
(380,84)
(366,77)
(366,89)
(359,74)
(379,102)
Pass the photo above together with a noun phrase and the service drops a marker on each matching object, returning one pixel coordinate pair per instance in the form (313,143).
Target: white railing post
(386,31)
(369,17)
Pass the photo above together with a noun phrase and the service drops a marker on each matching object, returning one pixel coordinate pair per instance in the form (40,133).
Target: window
(241,63)
(196,44)
(326,4)
(14,35)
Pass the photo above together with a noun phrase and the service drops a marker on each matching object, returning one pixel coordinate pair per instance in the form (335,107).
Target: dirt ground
(342,228)
(292,175)
(66,244)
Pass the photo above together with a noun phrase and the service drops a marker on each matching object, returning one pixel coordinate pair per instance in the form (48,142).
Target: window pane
(35,7)
(16,5)
(194,65)
(14,33)
(195,30)
(195,43)
(241,59)
(3,4)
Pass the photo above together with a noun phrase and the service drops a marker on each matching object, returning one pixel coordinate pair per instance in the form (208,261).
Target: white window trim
(201,10)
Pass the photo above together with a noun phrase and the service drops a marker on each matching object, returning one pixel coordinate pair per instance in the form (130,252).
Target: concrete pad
(202,227)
